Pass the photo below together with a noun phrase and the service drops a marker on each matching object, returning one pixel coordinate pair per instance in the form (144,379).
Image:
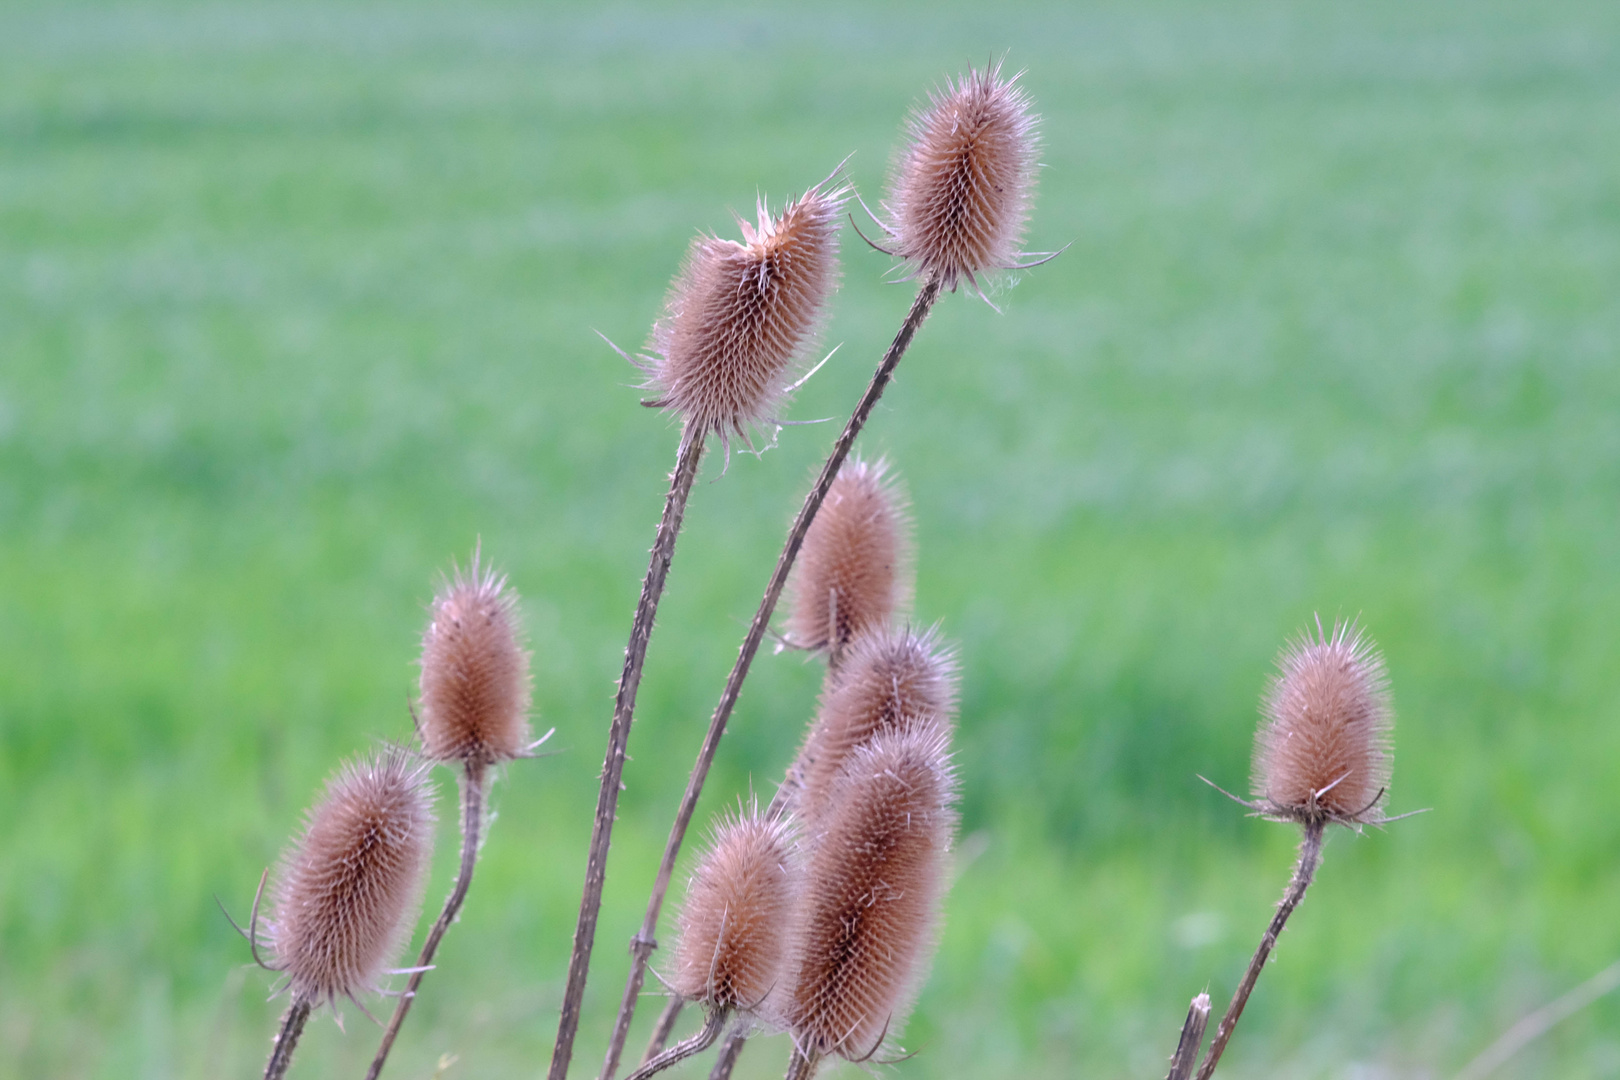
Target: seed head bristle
(475,686)
(851,575)
(345,892)
(890,679)
(1323,748)
(739,315)
(872,891)
(734,925)
(961,192)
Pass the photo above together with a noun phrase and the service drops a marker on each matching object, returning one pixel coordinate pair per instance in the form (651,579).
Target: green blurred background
(297,301)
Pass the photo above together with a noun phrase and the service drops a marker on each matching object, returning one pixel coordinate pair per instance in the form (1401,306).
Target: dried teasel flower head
(1323,749)
(961,191)
(872,891)
(891,679)
(734,926)
(475,685)
(851,575)
(739,315)
(344,894)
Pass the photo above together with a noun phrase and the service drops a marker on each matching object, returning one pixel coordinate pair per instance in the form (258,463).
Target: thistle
(851,573)
(345,891)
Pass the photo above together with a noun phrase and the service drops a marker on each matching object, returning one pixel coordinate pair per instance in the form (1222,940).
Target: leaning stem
(607,800)
(292,1026)
(661,1030)
(1192,1040)
(1310,856)
(802,1066)
(472,818)
(642,945)
(682,1050)
(730,1051)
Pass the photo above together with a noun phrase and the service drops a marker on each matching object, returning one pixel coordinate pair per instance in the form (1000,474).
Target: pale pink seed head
(1324,746)
(475,686)
(740,315)
(345,893)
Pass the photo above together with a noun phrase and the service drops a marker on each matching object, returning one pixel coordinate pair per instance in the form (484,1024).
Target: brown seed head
(891,679)
(345,892)
(851,573)
(739,314)
(872,891)
(475,677)
(961,193)
(1323,747)
(734,924)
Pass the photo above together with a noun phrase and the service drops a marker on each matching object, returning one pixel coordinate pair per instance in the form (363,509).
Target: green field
(297,302)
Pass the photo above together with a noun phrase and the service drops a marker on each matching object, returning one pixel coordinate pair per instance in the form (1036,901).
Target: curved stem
(683,1050)
(730,1051)
(642,945)
(1310,856)
(661,1030)
(472,819)
(607,800)
(292,1026)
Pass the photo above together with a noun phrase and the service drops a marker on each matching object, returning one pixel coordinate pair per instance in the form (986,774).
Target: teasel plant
(345,893)
(472,711)
(958,205)
(1322,756)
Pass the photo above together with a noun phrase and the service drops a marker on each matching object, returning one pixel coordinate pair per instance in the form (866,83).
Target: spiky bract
(735,923)
(344,893)
(961,193)
(872,890)
(475,675)
(851,573)
(1323,748)
(739,314)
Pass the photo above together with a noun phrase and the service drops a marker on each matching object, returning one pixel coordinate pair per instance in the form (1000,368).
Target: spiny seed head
(872,891)
(345,892)
(891,679)
(735,922)
(961,192)
(851,574)
(475,675)
(739,314)
(1323,748)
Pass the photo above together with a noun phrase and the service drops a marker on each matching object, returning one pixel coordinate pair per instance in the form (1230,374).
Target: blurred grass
(296,301)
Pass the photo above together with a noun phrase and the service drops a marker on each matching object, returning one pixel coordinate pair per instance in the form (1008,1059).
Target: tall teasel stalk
(1322,755)
(475,694)
(735,320)
(958,204)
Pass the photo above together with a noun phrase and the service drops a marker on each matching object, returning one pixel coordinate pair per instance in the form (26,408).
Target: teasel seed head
(961,192)
(891,679)
(872,890)
(475,686)
(1323,748)
(739,315)
(852,573)
(734,925)
(345,893)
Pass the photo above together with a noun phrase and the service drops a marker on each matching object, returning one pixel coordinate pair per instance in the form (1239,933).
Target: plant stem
(472,819)
(666,1024)
(730,1051)
(687,459)
(642,945)
(802,1066)
(682,1050)
(292,1026)
(1192,1040)
(1310,856)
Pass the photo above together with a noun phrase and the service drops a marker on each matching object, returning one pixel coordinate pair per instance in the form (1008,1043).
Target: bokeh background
(297,302)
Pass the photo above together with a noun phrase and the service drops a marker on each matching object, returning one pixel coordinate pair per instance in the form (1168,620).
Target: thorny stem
(607,800)
(472,818)
(292,1026)
(1192,1040)
(1310,856)
(730,1051)
(682,1050)
(642,945)
(802,1066)
(661,1030)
